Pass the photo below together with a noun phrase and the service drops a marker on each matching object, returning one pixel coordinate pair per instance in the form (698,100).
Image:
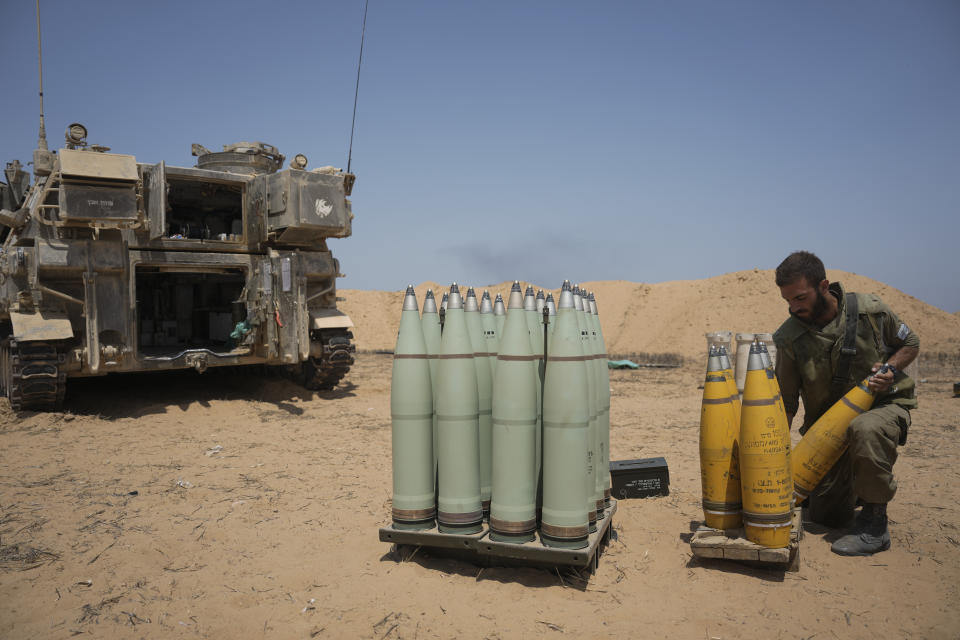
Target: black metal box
(639,478)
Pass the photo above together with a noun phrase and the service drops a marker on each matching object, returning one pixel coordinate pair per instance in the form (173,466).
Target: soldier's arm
(906,345)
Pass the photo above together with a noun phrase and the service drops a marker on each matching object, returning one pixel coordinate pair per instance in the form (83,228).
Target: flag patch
(903,331)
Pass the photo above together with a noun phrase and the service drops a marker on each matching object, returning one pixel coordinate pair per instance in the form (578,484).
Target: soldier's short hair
(801,264)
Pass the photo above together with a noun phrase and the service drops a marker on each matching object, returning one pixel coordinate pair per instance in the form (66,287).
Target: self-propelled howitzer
(109,265)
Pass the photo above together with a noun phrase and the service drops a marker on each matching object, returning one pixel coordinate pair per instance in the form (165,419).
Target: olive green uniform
(807,359)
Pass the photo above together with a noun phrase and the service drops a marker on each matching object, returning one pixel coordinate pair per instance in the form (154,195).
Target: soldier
(831,342)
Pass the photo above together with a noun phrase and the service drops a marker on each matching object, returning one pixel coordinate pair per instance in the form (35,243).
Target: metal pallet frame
(480,549)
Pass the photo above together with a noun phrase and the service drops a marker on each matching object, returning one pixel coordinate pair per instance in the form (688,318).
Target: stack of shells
(501,413)
(745,450)
(750,475)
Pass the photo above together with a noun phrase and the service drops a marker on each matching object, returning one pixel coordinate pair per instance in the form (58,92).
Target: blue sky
(642,141)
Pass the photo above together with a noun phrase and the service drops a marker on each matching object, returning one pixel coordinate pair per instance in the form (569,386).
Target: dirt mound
(674,316)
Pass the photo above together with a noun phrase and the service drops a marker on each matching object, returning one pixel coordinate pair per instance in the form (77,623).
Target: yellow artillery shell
(765,473)
(826,440)
(719,464)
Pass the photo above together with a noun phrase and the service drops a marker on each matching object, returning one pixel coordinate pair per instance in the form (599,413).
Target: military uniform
(807,361)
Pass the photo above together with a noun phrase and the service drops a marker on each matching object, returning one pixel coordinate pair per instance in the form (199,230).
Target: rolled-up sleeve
(896,333)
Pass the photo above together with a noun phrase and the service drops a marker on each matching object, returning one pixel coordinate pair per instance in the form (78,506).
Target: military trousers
(865,470)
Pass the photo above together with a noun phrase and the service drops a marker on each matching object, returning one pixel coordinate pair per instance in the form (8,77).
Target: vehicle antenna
(42,142)
(356,91)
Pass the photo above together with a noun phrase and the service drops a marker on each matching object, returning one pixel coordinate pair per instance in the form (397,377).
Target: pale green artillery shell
(602,387)
(458,426)
(514,435)
(430,323)
(536,348)
(590,397)
(565,418)
(484,398)
(411,410)
(604,408)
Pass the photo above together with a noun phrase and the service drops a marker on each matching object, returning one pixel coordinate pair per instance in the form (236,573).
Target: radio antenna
(42,142)
(356,91)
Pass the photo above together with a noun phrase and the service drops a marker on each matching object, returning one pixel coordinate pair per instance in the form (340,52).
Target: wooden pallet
(732,544)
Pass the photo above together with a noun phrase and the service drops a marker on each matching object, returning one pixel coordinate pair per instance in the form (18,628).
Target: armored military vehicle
(108,265)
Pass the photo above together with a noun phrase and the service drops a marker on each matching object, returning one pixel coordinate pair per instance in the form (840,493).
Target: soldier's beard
(820,307)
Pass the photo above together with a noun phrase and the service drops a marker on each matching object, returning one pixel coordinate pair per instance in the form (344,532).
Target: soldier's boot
(869,534)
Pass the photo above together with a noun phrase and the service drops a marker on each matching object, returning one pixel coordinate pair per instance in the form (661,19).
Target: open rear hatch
(180,310)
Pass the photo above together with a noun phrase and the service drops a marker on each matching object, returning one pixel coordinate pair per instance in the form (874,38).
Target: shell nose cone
(755,361)
(471,304)
(471,293)
(516,298)
(498,309)
(540,295)
(429,303)
(454,301)
(566,286)
(410,300)
(551,304)
(485,306)
(566,296)
(516,286)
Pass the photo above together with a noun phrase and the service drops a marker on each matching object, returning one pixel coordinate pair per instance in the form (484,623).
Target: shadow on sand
(136,395)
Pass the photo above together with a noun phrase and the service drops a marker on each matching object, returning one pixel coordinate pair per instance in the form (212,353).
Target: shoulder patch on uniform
(903,331)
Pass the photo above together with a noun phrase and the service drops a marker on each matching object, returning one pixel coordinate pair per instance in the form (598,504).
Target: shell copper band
(716,379)
(568,358)
(461,519)
(508,527)
(761,519)
(414,515)
(453,356)
(564,533)
(517,358)
(726,400)
(410,356)
(722,507)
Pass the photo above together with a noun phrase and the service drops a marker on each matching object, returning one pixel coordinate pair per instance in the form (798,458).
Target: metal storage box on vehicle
(304,206)
(640,478)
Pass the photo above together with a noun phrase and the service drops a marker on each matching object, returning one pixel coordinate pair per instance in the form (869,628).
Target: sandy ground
(232,506)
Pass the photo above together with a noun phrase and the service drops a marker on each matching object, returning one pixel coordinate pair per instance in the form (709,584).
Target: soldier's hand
(880,382)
